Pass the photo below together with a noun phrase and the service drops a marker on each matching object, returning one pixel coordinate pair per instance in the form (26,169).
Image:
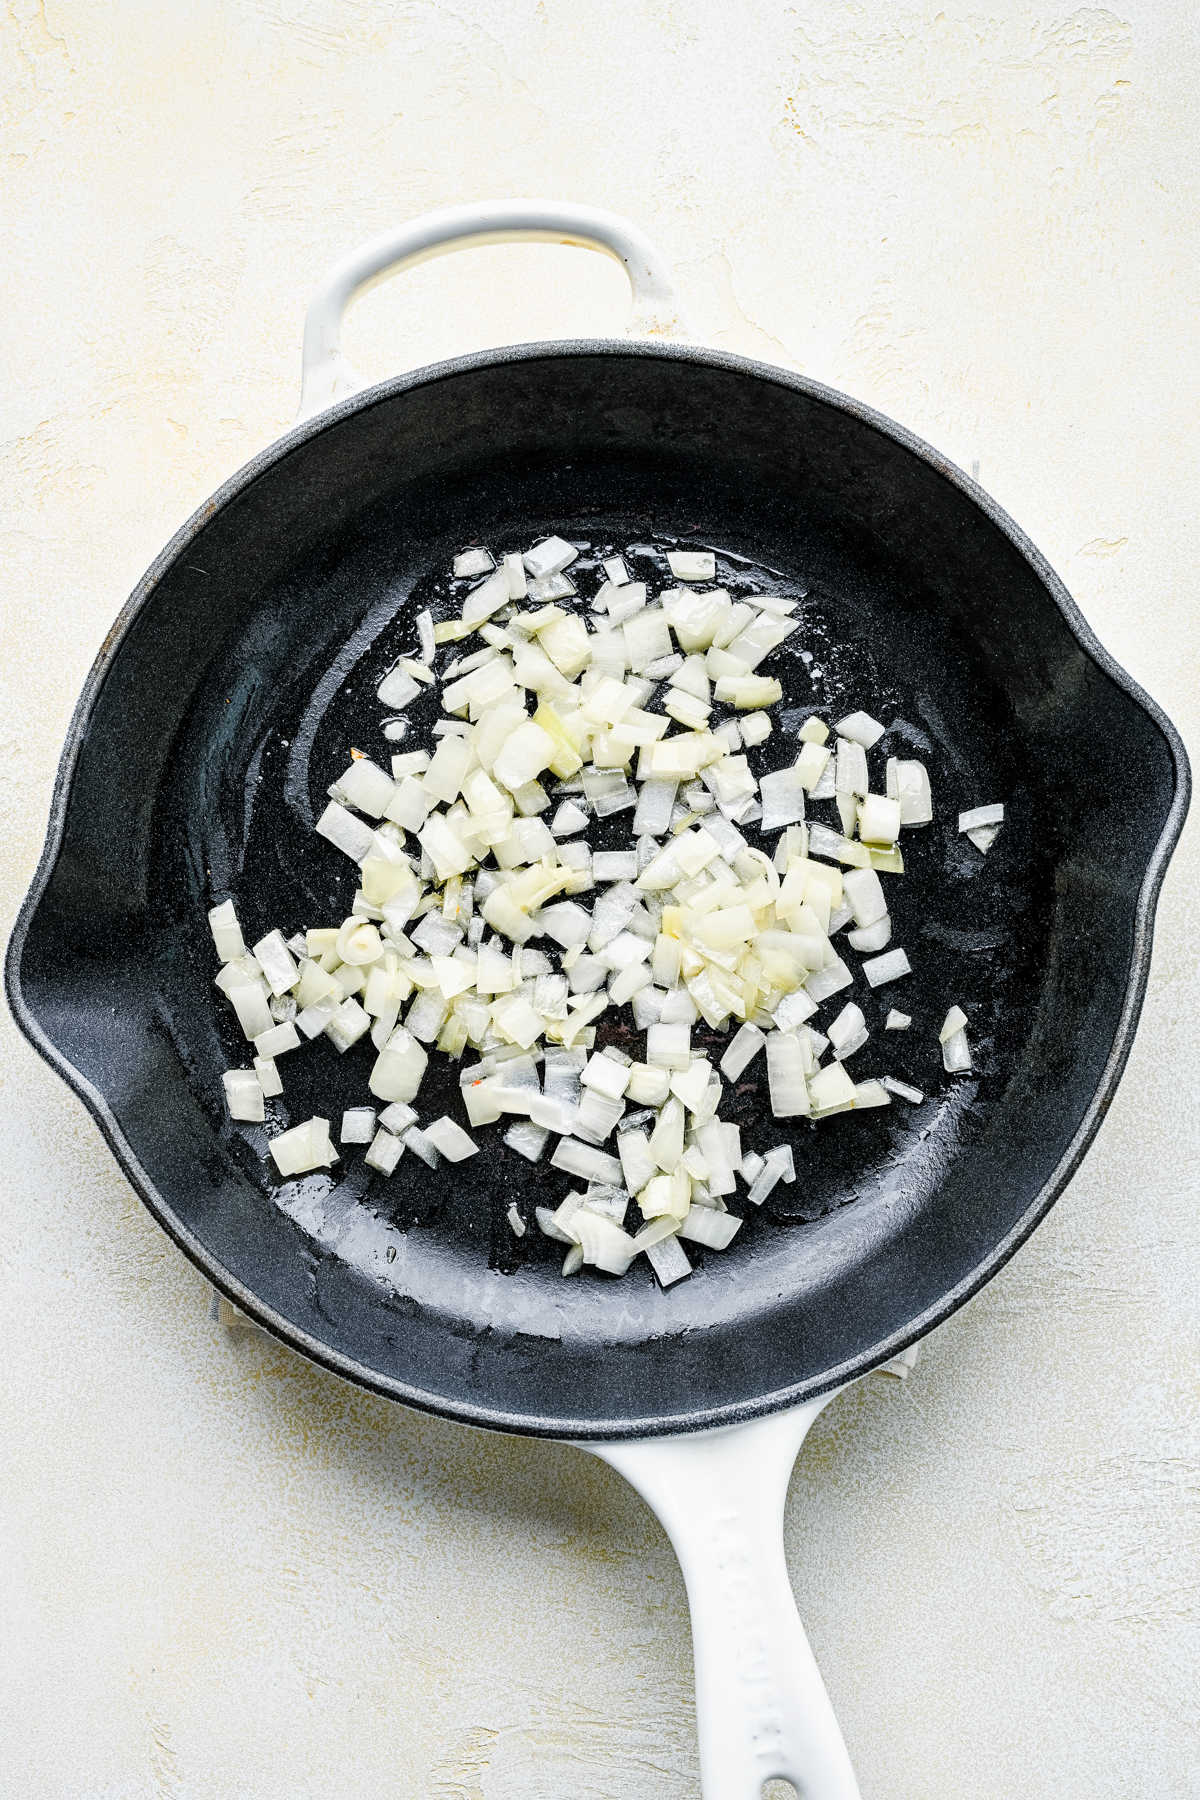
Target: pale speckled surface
(227,1574)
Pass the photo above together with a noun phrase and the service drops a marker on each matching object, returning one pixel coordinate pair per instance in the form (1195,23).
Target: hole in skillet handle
(779,1789)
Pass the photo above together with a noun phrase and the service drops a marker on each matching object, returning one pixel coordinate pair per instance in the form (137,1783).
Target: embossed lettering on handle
(761,1706)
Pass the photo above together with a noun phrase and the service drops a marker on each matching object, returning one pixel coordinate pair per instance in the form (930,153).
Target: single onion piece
(384,1153)
(397,690)
(549,557)
(669,1260)
(669,1046)
(897,1021)
(604,1244)
(279,1039)
(715,1230)
(983,837)
(871,937)
(581,1159)
(226,932)
(902,1089)
(745,1045)
(244,1095)
(860,728)
(782,799)
(692,565)
(908,782)
(848,1032)
(864,896)
(528,1140)
(349,834)
(397,1118)
(358,1125)
(766,1179)
(269,1078)
(785,1075)
(304,1147)
(249,1001)
(399,1067)
(889,967)
(783,1156)
(831,1090)
(981,815)
(954,1021)
(484,600)
(878,820)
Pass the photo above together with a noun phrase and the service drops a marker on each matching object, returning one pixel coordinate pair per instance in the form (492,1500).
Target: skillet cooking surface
(248,668)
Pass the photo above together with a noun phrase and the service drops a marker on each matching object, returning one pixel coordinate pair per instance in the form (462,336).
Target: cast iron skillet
(222,705)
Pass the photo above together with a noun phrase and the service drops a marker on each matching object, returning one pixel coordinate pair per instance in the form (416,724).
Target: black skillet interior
(249,670)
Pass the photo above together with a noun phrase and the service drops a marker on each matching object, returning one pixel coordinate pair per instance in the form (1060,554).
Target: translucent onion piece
(384,1153)
(888,967)
(358,1125)
(715,1230)
(954,1021)
(744,1047)
(902,1089)
(304,1147)
(582,1159)
(692,565)
(785,1073)
(669,1260)
(981,815)
(244,1095)
(549,557)
(860,728)
(226,932)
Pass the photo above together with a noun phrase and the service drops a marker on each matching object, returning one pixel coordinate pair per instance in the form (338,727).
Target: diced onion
(860,728)
(747,1041)
(226,932)
(715,1230)
(451,1140)
(785,1072)
(902,1089)
(888,967)
(485,928)
(954,1021)
(384,1153)
(668,1260)
(304,1147)
(979,816)
(244,1095)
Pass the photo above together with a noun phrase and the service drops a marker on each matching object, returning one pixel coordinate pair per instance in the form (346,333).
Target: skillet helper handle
(327,376)
(761,1706)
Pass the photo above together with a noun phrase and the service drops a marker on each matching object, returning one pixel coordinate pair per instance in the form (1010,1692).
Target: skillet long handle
(761,1705)
(327,376)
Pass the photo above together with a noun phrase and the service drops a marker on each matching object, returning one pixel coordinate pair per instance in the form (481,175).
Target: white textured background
(226,1575)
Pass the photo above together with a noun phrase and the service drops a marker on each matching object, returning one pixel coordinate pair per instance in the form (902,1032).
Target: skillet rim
(484,1416)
